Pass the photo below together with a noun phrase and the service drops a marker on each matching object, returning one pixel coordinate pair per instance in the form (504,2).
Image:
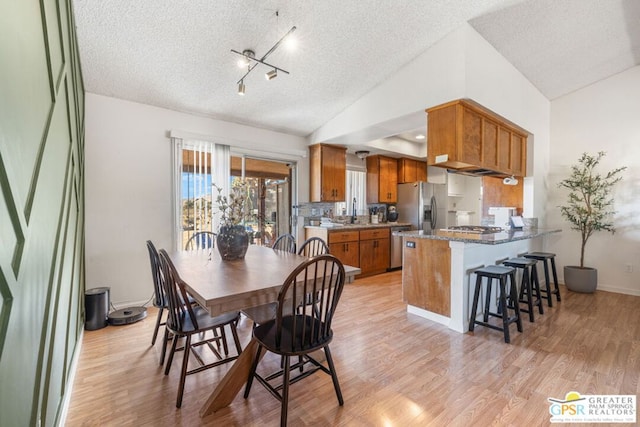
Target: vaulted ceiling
(176,54)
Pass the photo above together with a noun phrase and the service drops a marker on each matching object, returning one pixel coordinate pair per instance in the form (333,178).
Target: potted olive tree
(589,208)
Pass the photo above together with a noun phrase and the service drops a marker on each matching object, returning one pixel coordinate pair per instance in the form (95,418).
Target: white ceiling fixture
(250,61)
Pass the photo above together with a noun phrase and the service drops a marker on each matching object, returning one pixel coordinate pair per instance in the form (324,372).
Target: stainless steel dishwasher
(396,246)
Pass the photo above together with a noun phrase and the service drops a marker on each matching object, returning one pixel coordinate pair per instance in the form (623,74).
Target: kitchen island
(438,266)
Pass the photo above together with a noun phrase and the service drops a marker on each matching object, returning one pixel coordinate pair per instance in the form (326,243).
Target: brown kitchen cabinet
(410,170)
(328,168)
(382,179)
(374,251)
(345,245)
(464,135)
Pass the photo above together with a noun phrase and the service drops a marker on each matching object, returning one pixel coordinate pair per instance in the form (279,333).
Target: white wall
(435,77)
(461,65)
(128,186)
(602,117)
(495,83)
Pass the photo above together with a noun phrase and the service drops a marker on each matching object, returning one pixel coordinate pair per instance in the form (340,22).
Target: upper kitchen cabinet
(382,179)
(328,166)
(410,170)
(465,136)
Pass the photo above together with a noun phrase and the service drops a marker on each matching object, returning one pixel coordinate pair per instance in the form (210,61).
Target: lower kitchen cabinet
(368,248)
(345,246)
(374,251)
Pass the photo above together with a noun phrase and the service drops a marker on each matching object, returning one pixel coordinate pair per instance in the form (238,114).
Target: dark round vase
(232,242)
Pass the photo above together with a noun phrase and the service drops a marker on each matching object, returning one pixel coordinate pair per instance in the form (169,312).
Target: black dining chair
(261,313)
(313,246)
(201,240)
(300,329)
(186,320)
(159,300)
(285,242)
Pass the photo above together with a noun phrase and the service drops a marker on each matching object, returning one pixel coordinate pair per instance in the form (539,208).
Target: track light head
(241,88)
(245,61)
(271,74)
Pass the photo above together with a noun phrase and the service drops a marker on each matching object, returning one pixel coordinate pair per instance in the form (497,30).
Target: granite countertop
(485,239)
(361,226)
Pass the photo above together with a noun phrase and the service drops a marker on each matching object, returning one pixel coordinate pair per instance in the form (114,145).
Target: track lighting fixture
(250,61)
(271,74)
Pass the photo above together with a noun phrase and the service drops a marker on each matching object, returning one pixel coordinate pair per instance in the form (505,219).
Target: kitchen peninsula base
(438,269)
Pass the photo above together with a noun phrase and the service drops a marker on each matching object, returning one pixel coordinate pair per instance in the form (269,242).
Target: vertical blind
(197,166)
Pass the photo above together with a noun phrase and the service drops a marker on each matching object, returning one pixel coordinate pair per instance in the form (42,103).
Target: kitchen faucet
(353,214)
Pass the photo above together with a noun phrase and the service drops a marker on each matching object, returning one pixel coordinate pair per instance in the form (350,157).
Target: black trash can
(96,306)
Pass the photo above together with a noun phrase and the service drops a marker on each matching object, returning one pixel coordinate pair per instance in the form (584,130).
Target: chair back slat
(201,240)
(285,242)
(313,246)
(156,272)
(179,309)
(307,302)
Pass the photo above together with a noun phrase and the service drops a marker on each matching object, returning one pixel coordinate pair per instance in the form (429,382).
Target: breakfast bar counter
(438,265)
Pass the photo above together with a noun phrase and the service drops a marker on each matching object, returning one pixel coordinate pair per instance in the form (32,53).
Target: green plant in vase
(232,239)
(589,208)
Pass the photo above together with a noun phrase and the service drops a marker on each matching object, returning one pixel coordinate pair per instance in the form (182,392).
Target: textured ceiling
(176,53)
(564,45)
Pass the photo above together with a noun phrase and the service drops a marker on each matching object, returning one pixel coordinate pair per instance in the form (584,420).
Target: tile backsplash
(314,211)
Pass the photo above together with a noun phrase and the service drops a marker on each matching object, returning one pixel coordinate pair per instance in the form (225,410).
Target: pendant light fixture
(249,60)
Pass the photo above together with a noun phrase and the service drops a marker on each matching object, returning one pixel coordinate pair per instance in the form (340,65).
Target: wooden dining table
(224,286)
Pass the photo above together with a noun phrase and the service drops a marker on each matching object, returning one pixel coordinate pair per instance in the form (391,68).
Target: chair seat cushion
(204,319)
(292,342)
(263,313)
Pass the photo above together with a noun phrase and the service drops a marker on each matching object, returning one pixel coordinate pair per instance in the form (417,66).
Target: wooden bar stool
(529,286)
(546,289)
(499,273)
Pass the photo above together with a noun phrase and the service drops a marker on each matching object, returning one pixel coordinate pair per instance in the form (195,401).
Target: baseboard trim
(71,379)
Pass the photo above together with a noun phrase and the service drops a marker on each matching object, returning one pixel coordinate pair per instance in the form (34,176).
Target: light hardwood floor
(395,369)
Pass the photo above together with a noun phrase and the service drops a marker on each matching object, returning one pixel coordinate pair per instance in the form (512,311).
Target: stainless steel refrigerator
(423,204)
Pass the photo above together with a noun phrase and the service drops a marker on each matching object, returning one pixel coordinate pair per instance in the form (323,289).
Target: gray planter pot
(578,279)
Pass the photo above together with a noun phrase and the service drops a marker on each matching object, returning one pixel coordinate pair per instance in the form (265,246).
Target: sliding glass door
(270,184)
(200,164)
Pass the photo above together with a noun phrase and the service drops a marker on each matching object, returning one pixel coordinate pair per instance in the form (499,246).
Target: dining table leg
(233,381)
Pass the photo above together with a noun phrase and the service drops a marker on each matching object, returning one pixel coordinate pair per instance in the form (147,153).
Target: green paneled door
(41,209)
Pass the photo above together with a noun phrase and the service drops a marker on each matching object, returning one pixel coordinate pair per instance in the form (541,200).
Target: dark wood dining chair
(285,242)
(201,240)
(159,300)
(300,329)
(261,313)
(186,320)
(313,246)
